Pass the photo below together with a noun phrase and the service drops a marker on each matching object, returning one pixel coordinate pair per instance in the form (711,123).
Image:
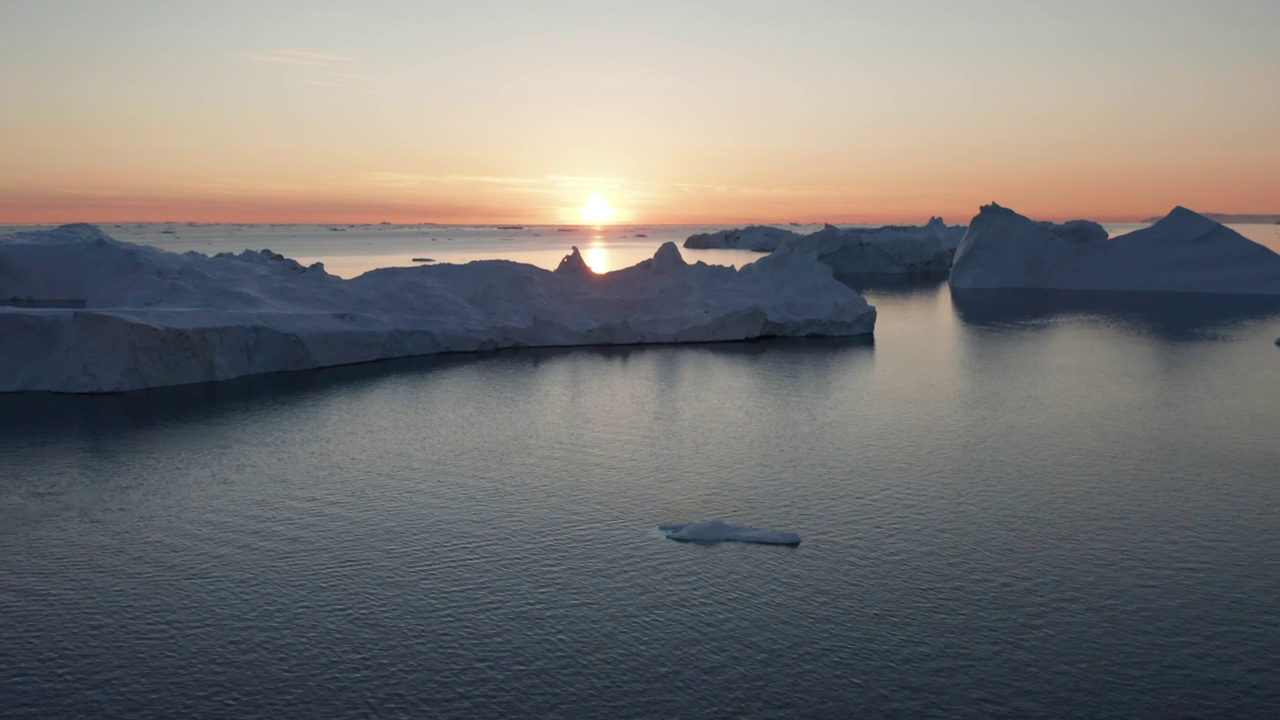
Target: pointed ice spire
(573,265)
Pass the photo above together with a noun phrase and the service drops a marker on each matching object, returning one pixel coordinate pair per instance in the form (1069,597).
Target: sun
(598,210)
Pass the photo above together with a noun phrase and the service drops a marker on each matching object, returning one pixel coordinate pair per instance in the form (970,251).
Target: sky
(688,111)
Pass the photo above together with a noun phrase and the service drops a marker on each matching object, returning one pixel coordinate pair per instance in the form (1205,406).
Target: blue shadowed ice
(1184,252)
(713,531)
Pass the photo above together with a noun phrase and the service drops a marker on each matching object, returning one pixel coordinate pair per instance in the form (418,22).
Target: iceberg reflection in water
(1166,314)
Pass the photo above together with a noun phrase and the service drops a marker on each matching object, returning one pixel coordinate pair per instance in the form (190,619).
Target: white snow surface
(712,531)
(760,238)
(888,250)
(153,318)
(1183,252)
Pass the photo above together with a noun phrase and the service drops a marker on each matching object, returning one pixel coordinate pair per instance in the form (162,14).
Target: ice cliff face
(153,318)
(760,238)
(1184,252)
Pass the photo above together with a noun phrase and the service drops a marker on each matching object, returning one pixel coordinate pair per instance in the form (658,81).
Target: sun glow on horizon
(598,210)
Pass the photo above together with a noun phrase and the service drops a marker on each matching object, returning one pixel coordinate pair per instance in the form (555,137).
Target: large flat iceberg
(713,531)
(92,314)
(1184,252)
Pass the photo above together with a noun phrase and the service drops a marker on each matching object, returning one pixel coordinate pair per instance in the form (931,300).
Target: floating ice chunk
(713,531)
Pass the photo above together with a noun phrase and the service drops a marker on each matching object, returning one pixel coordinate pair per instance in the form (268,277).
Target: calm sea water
(1032,505)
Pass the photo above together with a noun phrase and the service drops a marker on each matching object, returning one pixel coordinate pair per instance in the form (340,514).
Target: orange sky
(710,112)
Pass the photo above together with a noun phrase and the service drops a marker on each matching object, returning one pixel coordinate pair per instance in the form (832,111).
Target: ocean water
(1029,505)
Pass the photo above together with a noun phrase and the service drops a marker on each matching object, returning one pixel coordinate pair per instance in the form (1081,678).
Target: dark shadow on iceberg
(1178,316)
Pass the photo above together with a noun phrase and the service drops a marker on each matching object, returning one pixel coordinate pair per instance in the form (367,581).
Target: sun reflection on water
(596,255)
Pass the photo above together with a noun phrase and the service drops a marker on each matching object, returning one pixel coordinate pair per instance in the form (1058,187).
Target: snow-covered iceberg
(1184,252)
(713,531)
(888,250)
(760,238)
(99,315)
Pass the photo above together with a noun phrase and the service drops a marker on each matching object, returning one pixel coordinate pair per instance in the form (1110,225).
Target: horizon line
(495,223)
(1126,219)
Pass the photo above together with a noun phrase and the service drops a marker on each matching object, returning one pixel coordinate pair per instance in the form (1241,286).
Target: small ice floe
(714,531)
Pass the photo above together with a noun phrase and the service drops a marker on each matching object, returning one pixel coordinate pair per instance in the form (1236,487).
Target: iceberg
(1183,252)
(760,238)
(889,250)
(714,531)
(99,315)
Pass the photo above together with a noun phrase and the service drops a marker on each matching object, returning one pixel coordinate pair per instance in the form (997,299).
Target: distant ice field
(349,250)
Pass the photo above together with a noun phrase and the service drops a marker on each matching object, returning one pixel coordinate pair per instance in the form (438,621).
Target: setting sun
(598,209)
